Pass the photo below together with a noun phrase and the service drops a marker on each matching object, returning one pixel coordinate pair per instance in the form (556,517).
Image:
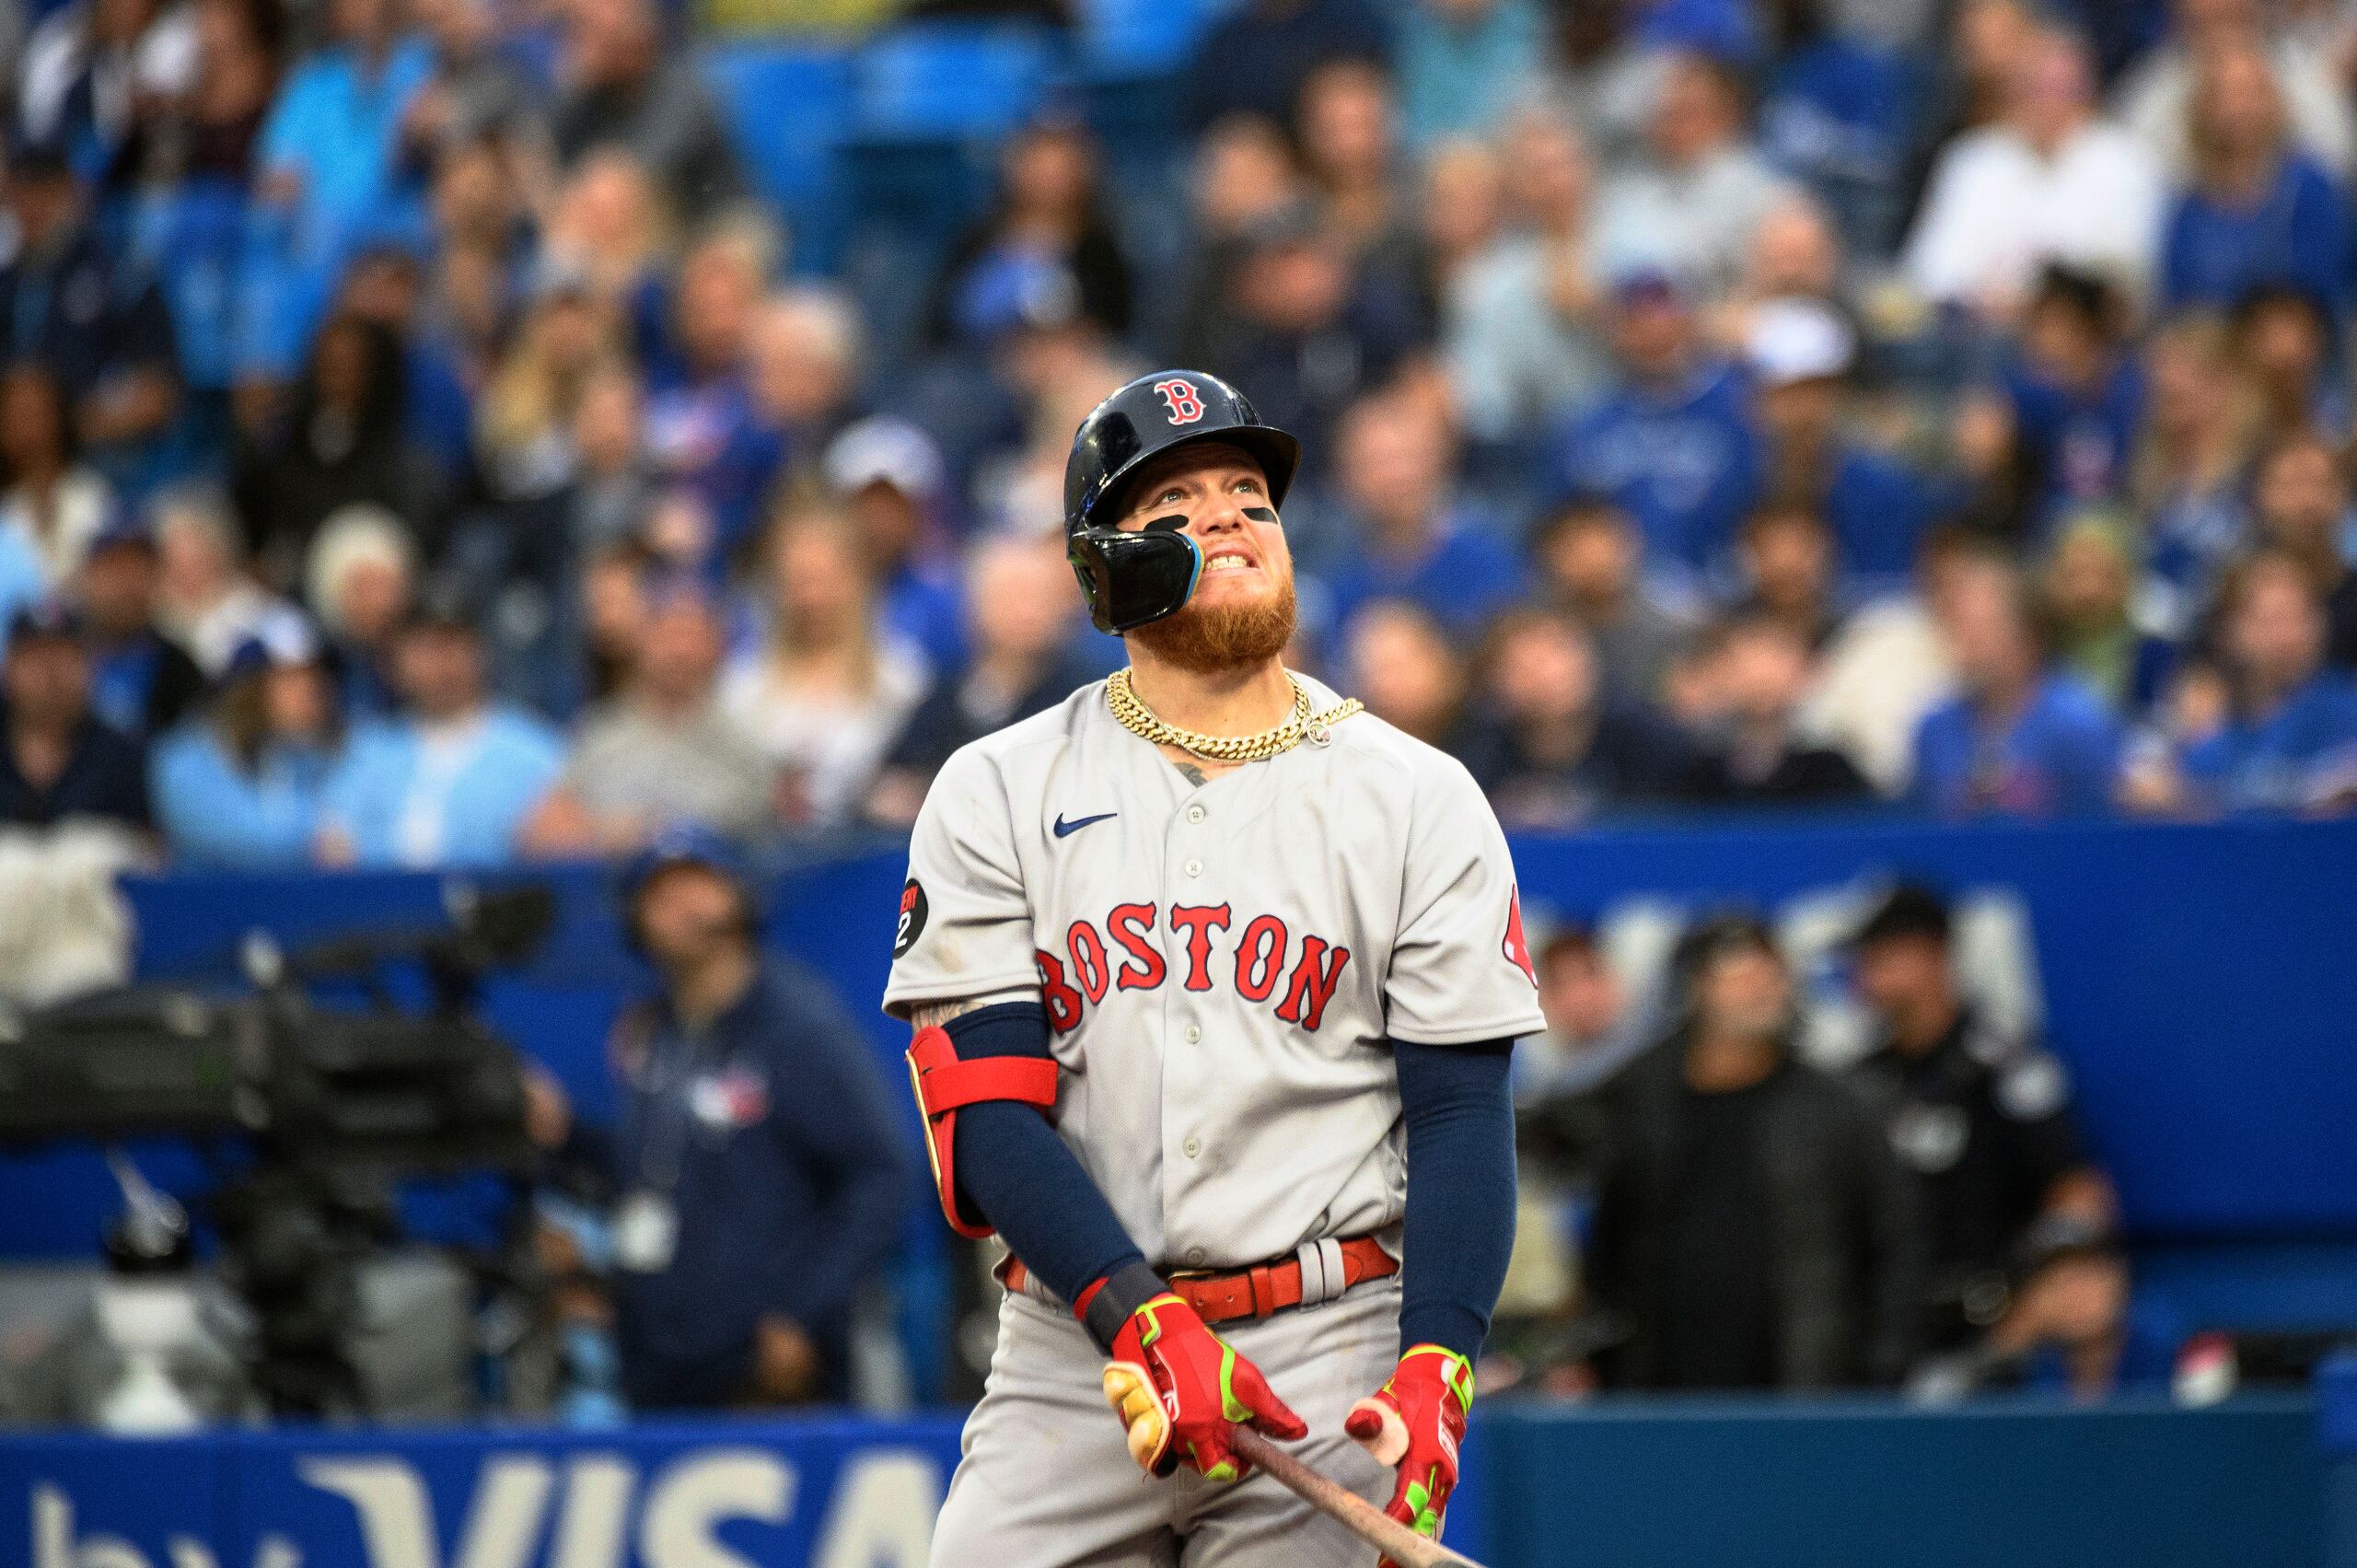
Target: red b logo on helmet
(1185,406)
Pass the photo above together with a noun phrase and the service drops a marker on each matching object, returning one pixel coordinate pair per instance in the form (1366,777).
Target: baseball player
(1215,980)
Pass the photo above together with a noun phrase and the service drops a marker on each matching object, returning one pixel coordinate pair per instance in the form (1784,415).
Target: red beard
(1204,639)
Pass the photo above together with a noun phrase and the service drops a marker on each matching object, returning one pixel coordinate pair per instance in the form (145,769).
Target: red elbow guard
(944,1084)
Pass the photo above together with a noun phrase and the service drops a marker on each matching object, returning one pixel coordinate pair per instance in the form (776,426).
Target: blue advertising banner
(827,1493)
(1697,1483)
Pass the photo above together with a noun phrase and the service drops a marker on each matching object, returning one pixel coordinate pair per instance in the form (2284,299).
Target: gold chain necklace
(1303,724)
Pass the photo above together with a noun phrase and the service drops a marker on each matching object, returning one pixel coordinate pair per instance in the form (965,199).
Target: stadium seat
(789,110)
(1139,38)
(952,83)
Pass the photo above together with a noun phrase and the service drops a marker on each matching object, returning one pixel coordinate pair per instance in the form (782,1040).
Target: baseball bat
(1346,1507)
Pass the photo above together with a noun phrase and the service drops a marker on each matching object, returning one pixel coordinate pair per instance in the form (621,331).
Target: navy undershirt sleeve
(1024,1178)
(1459,1227)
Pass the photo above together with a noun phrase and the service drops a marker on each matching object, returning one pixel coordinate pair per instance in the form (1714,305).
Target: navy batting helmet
(1131,579)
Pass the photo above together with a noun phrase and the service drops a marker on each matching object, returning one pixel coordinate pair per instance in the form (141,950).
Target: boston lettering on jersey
(1264,962)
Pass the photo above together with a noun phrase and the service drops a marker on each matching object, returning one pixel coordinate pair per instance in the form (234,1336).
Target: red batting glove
(1179,1388)
(1414,1422)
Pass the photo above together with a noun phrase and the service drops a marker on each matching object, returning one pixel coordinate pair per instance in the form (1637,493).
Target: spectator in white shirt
(2050,182)
(1522,321)
(1691,205)
(825,694)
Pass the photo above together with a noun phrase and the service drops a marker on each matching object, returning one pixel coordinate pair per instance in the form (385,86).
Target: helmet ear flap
(1134,579)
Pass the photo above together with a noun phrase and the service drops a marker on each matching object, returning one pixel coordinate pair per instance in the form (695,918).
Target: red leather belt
(1255,1291)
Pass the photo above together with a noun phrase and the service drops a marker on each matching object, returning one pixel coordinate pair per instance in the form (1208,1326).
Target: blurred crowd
(1803,404)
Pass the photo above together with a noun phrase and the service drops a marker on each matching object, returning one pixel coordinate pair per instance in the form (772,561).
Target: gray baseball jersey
(1224,966)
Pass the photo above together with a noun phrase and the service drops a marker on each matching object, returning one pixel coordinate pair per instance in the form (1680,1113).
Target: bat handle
(1345,1507)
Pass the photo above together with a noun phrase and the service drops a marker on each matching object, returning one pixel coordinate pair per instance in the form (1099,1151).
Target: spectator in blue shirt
(759,1166)
(2021,738)
(1835,112)
(2069,410)
(2300,505)
(22,582)
(330,153)
(703,433)
(451,780)
(1414,539)
(2289,740)
(1463,64)
(2258,209)
(1800,354)
(95,321)
(1672,446)
(240,789)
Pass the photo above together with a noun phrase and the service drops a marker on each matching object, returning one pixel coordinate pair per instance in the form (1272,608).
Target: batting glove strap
(1415,1423)
(1180,1390)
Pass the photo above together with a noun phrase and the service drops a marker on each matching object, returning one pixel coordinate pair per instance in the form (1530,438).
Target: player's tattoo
(927,1015)
(1193,774)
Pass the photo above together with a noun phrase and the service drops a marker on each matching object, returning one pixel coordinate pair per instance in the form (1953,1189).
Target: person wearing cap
(759,1170)
(93,319)
(1672,446)
(240,789)
(1979,1117)
(1800,354)
(662,751)
(1750,1231)
(451,780)
(889,477)
(142,682)
(58,760)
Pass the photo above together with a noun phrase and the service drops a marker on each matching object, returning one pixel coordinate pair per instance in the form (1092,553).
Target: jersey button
(1191,1147)
(1194,814)
(1195,1254)
(1194,1032)
(1193,869)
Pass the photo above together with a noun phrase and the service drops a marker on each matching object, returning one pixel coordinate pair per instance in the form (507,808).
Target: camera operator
(759,1169)
(1980,1116)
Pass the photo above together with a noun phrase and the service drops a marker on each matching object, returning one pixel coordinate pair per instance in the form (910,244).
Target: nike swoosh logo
(1065,830)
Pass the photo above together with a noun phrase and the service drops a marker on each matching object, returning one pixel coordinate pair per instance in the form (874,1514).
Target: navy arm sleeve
(1022,1176)
(1459,1227)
